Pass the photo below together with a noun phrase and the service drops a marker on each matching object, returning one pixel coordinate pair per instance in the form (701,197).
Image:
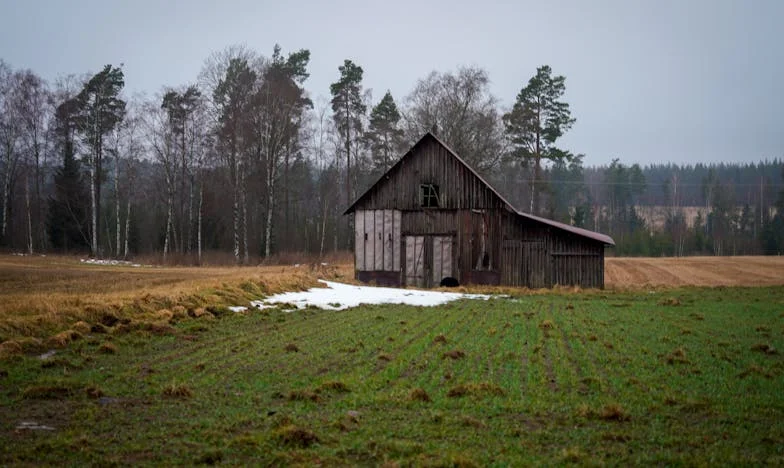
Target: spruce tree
(348,110)
(384,133)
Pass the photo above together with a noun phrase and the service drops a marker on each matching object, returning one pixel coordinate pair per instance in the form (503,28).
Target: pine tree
(101,109)
(348,112)
(384,133)
(536,121)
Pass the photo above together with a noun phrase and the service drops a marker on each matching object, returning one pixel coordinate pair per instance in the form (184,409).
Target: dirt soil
(694,271)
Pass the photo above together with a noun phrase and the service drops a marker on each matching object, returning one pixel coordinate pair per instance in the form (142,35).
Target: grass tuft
(670,302)
(756,369)
(677,356)
(53,391)
(107,348)
(386,357)
(440,339)
(291,348)
(614,412)
(81,327)
(469,421)
(62,339)
(303,395)
(294,436)
(175,390)
(334,386)
(454,354)
(419,394)
(546,325)
(764,348)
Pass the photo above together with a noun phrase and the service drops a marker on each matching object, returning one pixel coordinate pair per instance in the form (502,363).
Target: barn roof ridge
(566,227)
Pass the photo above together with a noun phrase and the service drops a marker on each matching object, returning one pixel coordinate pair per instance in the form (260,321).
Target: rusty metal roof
(566,227)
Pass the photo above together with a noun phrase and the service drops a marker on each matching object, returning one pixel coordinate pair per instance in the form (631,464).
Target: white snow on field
(99,261)
(339,296)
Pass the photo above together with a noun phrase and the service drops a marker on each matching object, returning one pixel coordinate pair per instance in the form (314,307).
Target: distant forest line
(244,160)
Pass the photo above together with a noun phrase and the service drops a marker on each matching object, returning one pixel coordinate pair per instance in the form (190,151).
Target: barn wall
(536,255)
(431,164)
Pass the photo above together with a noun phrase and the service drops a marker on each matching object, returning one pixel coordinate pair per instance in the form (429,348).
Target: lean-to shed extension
(431,216)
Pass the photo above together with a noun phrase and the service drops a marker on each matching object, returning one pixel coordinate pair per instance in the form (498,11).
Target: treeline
(245,160)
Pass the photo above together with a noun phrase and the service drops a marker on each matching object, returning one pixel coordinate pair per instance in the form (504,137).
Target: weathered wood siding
(538,256)
(459,188)
(377,240)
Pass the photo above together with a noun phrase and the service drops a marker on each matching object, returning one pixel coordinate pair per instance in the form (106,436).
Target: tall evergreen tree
(67,219)
(384,133)
(101,109)
(536,121)
(348,112)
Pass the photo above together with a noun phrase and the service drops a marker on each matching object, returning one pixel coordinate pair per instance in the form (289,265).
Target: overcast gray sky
(648,81)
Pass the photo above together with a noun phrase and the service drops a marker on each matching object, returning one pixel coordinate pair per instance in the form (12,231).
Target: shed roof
(565,227)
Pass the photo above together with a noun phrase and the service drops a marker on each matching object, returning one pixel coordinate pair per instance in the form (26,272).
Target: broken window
(428,195)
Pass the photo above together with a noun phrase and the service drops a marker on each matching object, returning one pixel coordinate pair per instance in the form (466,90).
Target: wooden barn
(431,217)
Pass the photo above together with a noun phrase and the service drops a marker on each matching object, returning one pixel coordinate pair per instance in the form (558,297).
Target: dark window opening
(428,194)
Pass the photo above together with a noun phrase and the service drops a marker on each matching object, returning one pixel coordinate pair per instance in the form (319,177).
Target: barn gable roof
(429,136)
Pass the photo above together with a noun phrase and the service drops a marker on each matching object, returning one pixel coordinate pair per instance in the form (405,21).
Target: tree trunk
(323,229)
(29,216)
(6,196)
(244,202)
(169,213)
(93,213)
(127,224)
(117,204)
(198,232)
(268,227)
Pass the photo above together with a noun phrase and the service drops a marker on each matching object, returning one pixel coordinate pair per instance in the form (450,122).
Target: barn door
(442,259)
(428,260)
(415,261)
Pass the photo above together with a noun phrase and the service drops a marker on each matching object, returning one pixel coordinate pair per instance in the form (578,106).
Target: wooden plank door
(442,258)
(415,261)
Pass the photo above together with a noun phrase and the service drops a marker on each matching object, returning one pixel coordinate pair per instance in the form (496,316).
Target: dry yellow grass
(41,296)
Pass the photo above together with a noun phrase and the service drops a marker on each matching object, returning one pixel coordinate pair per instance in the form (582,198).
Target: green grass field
(691,376)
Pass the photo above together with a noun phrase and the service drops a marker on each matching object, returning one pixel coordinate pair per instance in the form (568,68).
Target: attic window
(428,195)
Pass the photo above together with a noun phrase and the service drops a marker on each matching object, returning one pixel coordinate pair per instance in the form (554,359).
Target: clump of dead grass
(764,348)
(419,394)
(291,348)
(50,391)
(385,357)
(546,325)
(440,339)
(107,348)
(757,370)
(335,386)
(470,421)
(63,338)
(303,395)
(81,327)
(475,389)
(609,412)
(177,390)
(454,354)
(677,356)
(294,436)
(670,302)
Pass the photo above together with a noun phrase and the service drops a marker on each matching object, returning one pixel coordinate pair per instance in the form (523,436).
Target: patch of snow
(238,308)
(339,296)
(33,426)
(47,355)
(101,261)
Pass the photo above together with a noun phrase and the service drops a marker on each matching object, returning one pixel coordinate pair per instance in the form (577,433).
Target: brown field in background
(693,271)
